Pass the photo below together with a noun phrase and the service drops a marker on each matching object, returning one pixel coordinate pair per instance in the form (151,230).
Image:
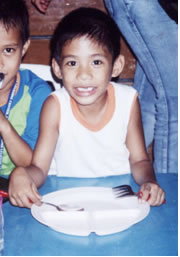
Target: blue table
(156,235)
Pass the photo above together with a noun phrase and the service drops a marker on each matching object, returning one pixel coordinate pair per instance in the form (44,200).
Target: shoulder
(124,90)
(52,110)
(34,83)
(61,94)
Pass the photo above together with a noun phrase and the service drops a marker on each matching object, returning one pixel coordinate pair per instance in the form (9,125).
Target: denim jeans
(152,36)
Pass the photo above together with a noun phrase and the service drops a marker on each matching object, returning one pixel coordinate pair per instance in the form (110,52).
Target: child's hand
(22,190)
(152,193)
(41,5)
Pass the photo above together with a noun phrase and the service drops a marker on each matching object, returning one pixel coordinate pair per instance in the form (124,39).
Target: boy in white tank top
(91,126)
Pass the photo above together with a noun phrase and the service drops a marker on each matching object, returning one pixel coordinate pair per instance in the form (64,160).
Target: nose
(84,72)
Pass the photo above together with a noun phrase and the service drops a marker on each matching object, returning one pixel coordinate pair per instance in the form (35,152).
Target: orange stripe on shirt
(107,116)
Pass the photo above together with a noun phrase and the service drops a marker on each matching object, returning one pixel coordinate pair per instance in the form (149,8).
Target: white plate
(103,213)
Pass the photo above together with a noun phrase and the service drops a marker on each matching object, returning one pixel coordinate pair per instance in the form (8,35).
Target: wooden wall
(42,27)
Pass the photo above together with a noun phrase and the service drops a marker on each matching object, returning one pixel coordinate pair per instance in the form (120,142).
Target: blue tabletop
(156,235)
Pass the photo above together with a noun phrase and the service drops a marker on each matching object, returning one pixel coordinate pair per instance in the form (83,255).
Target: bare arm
(18,150)
(25,181)
(141,166)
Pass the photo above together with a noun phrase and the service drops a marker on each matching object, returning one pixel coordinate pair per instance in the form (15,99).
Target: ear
(118,66)
(25,47)
(56,69)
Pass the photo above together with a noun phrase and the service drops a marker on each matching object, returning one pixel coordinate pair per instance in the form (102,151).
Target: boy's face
(86,69)
(11,52)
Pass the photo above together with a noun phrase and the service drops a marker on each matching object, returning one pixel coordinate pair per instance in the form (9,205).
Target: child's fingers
(13,201)
(29,199)
(144,192)
(163,199)
(26,197)
(158,198)
(44,4)
(21,201)
(154,199)
(36,196)
(41,5)
(152,193)
(35,191)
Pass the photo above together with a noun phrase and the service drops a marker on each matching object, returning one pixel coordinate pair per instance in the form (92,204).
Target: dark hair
(14,14)
(90,22)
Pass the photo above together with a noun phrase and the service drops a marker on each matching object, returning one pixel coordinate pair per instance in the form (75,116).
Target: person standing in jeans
(152,36)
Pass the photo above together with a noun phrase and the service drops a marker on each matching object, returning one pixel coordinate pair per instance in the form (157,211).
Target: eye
(9,50)
(71,63)
(97,62)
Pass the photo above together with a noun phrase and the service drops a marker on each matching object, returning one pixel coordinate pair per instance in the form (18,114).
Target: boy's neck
(4,94)
(93,113)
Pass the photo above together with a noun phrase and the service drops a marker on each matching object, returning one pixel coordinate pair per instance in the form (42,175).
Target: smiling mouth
(1,79)
(85,91)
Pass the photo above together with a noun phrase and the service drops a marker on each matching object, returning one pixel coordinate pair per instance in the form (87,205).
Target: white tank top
(84,150)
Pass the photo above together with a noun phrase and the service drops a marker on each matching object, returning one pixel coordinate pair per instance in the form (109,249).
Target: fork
(123,190)
(64,207)
(126,190)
